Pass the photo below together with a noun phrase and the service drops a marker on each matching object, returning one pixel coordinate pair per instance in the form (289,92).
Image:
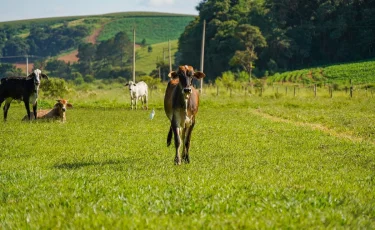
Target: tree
(59,68)
(122,48)
(251,38)
(86,55)
(143,43)
(15,47)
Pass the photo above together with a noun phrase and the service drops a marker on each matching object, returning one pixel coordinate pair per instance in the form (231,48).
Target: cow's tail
(169,138)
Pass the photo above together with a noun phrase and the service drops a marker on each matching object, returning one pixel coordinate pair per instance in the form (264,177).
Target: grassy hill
(359,72)
(154,29)
(146,61)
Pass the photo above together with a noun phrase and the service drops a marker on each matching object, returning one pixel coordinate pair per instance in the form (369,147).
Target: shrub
(76,75)
(54,87)
(79,81)
(89,78)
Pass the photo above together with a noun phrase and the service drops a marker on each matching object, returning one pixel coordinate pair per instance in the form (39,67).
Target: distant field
(153,28)
(146,61)
(359,72)
(256,162)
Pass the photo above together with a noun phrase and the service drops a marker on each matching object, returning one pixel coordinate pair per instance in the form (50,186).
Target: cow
(137,92)
(181,103)
(20,88)
(57,113)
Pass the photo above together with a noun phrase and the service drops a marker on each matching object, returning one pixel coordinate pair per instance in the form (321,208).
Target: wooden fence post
(314,90)
(330,91)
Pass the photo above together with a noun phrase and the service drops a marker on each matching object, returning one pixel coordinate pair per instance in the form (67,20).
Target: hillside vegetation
(146,61)
(358,72)
(154,29)
(64,39)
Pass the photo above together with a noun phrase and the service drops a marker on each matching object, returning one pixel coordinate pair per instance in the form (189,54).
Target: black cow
(20,88)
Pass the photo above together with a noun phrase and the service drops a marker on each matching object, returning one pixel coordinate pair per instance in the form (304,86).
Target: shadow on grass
(77,165)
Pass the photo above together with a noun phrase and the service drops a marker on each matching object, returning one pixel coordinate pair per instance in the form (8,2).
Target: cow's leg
(6,107)
(136,103)
(35,105)
(146,101)
(183,138)
(189,130)
(27,106)
(169,138)
(1,101)
(131,103)
(177,143)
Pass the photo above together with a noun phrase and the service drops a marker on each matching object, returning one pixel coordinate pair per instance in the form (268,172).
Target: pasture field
(256,163)
(359,72)
(146,62)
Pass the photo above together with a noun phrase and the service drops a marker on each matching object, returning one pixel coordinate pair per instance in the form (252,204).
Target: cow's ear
(58,100)
(199,75)
(69,105)
(31,75)
(126,84)
(44,76)
(172,75)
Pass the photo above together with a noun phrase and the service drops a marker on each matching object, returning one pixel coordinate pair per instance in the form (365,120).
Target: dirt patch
(24,67)
(70,57)
(93,38)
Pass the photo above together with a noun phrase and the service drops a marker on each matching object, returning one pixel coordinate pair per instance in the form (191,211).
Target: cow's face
(131,85)
(61,107)
(185,75)
(37,74)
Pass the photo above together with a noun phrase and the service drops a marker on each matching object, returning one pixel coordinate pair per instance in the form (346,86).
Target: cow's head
(61,106)
(185,75)
(131,85)
(36,75)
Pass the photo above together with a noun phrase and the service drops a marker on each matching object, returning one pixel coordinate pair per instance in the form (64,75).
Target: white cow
(138,91)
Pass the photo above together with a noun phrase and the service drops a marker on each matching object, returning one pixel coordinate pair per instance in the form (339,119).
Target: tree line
(41,41)
(269,36)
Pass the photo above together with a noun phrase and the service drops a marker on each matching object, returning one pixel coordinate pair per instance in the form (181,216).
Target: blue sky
(11,10)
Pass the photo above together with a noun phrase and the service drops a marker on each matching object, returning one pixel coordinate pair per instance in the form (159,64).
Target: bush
(79,81)
(54,87)
(89,78)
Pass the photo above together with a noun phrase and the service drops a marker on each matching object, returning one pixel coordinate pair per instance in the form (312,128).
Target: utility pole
(169,53)
(27,65)
(157,61)
(202,53)
(134,54)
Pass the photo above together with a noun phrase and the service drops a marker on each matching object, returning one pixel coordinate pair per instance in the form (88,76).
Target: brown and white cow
(181,103)
(57,113)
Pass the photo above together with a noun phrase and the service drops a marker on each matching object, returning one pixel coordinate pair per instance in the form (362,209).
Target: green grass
(109,167)
(359,72)
(146,62)
(154,29)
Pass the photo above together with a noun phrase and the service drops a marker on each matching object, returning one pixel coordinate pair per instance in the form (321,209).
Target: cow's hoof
(186,159)
(177,161)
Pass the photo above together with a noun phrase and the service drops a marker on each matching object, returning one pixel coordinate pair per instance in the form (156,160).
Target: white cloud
(161,2)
